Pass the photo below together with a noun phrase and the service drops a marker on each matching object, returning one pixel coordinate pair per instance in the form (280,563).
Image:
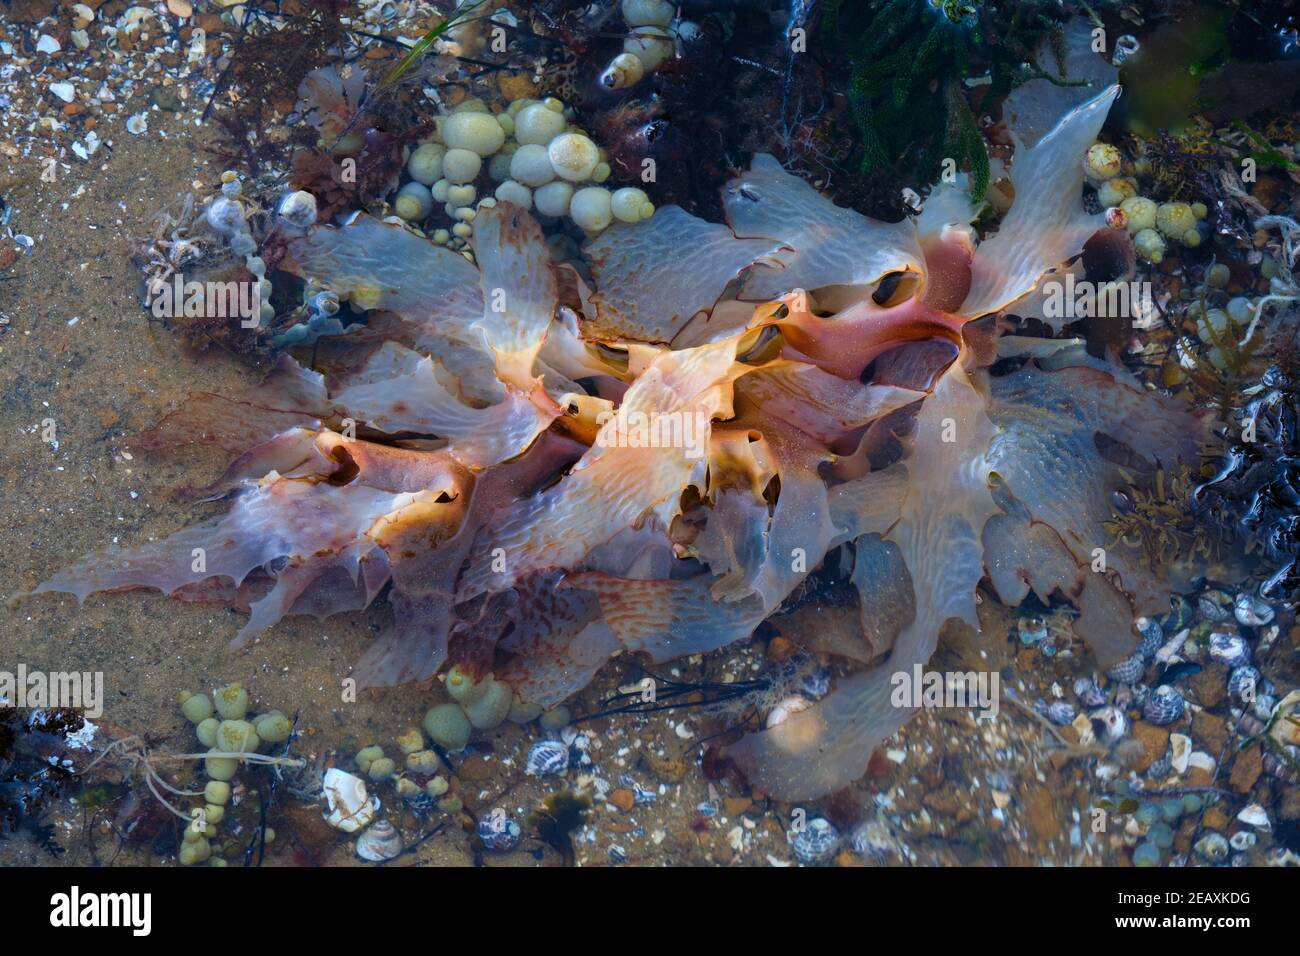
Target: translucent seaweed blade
(825,244)
(519,290)
(1047,223)
(652,277)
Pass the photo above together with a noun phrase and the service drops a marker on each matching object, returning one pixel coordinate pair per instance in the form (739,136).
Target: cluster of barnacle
(535,153)
(1152,225)
(558,471)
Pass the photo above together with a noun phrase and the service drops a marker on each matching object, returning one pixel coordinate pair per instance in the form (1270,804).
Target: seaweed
(908,66)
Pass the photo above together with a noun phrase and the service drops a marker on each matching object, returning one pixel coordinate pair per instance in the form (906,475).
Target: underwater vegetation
(910,68)
(540,466)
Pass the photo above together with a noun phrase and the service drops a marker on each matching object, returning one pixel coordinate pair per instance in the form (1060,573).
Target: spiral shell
(1153,637)
(816,842)
(380,842)
(1250,611)
(1243,682)
(547,757)
(1164,706)
(1129,670)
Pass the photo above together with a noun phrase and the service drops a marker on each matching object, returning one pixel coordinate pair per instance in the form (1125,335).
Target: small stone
(1210,686)
(623,798)
(1215,819)
(1154,741)
(735,806)
(477,768)
(1209,731)
(1246,769)
(670,768)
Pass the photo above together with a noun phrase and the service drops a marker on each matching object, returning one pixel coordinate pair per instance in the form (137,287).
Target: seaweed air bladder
(526,487)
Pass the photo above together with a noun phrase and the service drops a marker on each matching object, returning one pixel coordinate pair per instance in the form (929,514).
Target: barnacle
(550,474)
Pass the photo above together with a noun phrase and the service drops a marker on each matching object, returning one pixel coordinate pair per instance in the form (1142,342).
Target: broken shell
(379,843)
(1254,815)
(1113,724)
(350,808)
(787,708)
(1180,748)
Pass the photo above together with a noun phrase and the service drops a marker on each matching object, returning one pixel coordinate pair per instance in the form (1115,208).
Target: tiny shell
(498,831)
(350,808)
(1251,611)
(1180,746)
(1061,712)
(1129,670)
(137,124)
(787,708)
(1212,847)
(816,842)
(1089,694)
(547,757)
(379,843)
(1164,706)
(1254,815)
(1242,682)
(1243,840)
(1114,723)
(1230,649)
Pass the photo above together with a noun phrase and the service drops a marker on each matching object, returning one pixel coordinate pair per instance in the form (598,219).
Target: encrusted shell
(298,209)
(816,842)
(499,831)
(379,843)
(1164,706)
(1230,649)
(1061,712)
(350,808)
(1089,694)
(547,757)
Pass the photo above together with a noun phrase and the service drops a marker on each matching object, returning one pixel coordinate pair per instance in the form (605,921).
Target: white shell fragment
(350,807)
